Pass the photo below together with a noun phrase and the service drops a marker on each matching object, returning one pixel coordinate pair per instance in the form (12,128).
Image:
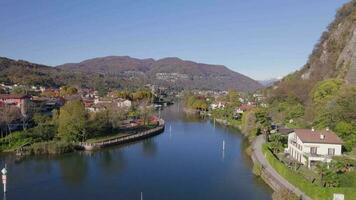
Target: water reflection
(149,147)
(111,162)
(189,166)
(74,169)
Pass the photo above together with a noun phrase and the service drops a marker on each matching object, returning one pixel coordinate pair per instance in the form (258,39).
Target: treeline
(71,124)
(329,104)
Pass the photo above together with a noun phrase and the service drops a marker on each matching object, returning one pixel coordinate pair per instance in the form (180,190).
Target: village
(32,115)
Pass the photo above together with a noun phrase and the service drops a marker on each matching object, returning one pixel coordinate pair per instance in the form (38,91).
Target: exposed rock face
(347,59)
(335,55)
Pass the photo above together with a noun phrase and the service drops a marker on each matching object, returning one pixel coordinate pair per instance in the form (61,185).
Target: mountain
(24,72)
(27,73)
(333,57)
(110,65)
(173,72)
(268,82)
(124,71)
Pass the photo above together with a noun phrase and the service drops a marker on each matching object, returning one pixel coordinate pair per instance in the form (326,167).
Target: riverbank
(122,139)
(276,173)
(25,147)
(268,173)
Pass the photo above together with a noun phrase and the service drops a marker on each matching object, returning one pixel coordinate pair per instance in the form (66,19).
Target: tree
(233,98)
(9,114)
(71,121)
(328,178)
(19,90)
(145,112)
(263,121)
(339,114)
(325,90)
(68,90)
(276,143)
(40,118)
(116,115)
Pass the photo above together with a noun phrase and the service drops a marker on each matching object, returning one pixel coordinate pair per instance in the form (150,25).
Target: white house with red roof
(311,146)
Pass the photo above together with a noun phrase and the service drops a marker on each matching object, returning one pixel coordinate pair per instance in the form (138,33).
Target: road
(257,150)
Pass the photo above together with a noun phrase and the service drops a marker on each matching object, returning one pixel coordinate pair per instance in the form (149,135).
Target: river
(187,161)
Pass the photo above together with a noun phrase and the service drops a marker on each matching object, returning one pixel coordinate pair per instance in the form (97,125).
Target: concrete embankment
(126,139)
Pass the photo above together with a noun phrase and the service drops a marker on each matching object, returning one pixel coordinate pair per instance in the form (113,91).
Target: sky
(259,38)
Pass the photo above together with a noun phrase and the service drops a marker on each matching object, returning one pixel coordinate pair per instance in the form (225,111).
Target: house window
(331,151)
(313,150)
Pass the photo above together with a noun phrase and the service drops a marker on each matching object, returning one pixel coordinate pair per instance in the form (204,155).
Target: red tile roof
(14,96)
(309,136)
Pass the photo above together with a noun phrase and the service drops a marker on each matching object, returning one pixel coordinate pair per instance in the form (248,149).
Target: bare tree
(9,114)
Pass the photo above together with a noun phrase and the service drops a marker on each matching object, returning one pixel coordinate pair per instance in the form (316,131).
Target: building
(310,146)
(124,103)
(19,101)
(218,105)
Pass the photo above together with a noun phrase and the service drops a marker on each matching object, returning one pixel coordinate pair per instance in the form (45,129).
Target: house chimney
(322,136)
(327,128)
(313,129)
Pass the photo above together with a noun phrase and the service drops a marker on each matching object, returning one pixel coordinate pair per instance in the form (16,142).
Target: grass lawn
(314,191)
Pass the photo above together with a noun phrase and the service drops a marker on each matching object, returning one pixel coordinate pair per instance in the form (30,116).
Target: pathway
(258,155)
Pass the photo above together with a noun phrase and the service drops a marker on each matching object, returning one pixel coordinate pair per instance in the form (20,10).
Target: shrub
(52,147)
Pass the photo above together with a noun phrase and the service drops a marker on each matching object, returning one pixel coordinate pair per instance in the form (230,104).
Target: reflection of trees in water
(111,161)
(192,118)
(149,147)
(42,166)
(74,168)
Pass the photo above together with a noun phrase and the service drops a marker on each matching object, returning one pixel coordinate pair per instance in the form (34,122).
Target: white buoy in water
(223,145)
(4,177)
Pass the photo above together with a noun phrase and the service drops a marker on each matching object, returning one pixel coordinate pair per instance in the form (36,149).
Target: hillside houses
(100,104)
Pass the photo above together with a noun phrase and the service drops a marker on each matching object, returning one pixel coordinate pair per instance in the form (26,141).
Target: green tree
(19,90)
(71,121)
(233,98)
(67,90)
(263,120)
(325,90)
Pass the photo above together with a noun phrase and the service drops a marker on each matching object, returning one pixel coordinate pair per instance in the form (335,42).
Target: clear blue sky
(259,38)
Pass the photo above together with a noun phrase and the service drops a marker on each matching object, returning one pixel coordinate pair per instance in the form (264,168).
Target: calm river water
(187,161)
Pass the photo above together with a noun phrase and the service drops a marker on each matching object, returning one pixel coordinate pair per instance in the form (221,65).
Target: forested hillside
(168,72)
(323,93)
(126,72)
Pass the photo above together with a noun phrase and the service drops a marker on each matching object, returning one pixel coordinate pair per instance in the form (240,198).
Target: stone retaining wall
(125,139)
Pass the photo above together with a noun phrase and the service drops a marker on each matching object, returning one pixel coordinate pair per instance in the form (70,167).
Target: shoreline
(125,139)
(268,174)
(265,175)
(88,146)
